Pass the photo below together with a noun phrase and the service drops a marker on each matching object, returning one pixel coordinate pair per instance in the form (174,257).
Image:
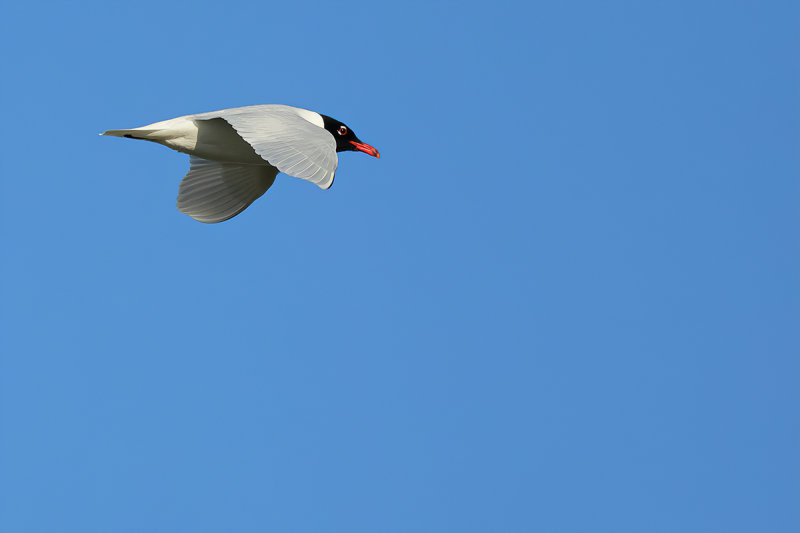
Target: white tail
(132,134)
(179,133)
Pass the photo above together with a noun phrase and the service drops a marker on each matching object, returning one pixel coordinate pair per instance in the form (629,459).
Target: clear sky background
(566,298)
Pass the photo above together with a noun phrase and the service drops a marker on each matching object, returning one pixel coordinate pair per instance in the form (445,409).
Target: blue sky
(565,299)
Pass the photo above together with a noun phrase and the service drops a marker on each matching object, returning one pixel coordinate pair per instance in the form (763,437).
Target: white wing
(285,139)
(213,192)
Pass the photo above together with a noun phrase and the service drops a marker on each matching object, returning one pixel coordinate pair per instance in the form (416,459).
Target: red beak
(367,149)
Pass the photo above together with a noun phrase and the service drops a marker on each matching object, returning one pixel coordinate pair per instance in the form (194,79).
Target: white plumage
(236,154)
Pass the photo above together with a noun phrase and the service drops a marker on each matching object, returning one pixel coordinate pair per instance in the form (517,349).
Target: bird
(235,154)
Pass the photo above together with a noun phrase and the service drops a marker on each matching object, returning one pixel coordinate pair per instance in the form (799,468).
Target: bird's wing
(284,139)
(213,192)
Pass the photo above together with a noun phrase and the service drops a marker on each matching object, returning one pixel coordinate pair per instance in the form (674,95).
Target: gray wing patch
(285,140)
(212,192)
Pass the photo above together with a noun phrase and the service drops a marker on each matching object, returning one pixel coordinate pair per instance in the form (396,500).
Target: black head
(346,139)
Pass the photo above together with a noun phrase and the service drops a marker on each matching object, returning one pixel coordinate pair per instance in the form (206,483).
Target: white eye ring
(342,130)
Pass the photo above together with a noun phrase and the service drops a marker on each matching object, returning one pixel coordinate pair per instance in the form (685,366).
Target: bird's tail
(137,133)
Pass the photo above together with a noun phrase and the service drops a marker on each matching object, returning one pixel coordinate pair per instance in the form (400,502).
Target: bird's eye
(342,130)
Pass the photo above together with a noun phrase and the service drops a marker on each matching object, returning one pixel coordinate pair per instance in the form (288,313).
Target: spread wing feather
(212,191)
(282,137)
